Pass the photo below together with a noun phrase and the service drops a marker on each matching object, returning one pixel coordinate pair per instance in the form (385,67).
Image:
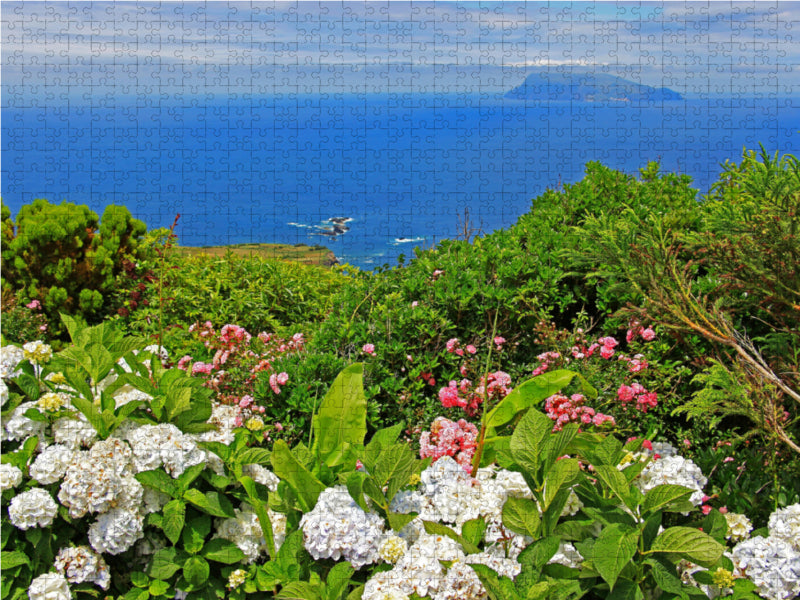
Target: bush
(55,254)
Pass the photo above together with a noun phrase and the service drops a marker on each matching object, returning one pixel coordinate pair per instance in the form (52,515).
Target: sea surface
(395,171)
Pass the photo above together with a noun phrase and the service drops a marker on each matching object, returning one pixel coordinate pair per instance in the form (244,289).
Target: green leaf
(355,487)
(661,496)
(195,533)
(356,593)
(563,474)
(473,530)
(139,579)
(690,544)
(196,571)
(434,528)
(338,579)
(136,594)
(613,550)
(222,551)
(495,585)
(174,514)
(394,468)
(341,420)
(9,560)
(163,564)
(254,456)
(158,587)
(539,552)
(527,395)
(521,516)
(716,525)
(211,502)
(665,575)
(626,590)
(299,590)
(92,414)
(189,475)
(385,437)
(398,520)
(528,440)
(29,386)
(615,481)
(263,517)
(288,468)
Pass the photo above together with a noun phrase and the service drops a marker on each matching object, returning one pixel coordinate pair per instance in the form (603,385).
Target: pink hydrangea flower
(34,304)
(499,341)
(648,335)
(471,349)
(452,344)
(607,352)
(449,438)
(368,349)
(201,367)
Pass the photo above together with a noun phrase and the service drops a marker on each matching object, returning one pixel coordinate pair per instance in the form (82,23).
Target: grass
(302,253)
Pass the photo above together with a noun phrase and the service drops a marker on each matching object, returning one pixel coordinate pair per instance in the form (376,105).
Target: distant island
(585,86)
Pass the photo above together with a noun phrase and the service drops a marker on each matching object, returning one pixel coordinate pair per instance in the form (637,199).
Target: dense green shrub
(56,254)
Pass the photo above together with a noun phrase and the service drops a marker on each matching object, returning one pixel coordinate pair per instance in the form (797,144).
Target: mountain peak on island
(585,86)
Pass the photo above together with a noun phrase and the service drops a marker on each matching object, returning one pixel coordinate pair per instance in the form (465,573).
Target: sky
(196,51)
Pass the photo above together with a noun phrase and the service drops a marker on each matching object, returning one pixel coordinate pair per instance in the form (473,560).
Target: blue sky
(98,52)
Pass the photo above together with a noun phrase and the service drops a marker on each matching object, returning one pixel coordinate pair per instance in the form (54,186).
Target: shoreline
(306,254)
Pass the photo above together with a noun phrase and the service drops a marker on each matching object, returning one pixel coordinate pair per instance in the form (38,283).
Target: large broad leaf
(614,548)
(288,468)
(223,551)
(498,588)
(626,590)
(263,517)
(521,516)
(690,544)
(299,590)
(211,502)
(338,578)
(531,393)
(615,481)
(563,474)
(662,495)
(394,468)
(342,417)
(196,571)
(528,441)
(172,523)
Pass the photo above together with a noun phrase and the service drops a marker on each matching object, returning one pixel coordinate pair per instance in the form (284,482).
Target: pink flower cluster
(565,410)
(609,343)
(636,364)
(463,395)
(546,359)
(449,438)
(276,381)
(635,329)
(453,347)
(636,392)
(368,349)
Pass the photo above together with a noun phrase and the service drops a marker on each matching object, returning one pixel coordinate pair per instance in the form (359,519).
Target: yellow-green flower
(50,402)
(236,579)
(393,549)
(37,352)
(415,479)
(254,424)
(722,578)
(57,378)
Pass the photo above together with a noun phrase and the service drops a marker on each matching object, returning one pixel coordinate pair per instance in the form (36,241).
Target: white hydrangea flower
(3,393)
(10,357)
(153,501)
(79,564)
(514,484)
(115,531)
(675,470)
(19,427)
(567,555)
(772,564)
(503,542)
(460,583)
(90,485)
(245,531)
(51,465)
(49,586)
(53,401)
(505,567)
(392,549)
(116,454)
(739,527)
(10,477)
(419,569)
(384,586)
(784,524)
(454,496)
(223,417)
(154,445)
(338,528)
(663,449)
(262,475)
(127,393)
(75,433)
(34,508)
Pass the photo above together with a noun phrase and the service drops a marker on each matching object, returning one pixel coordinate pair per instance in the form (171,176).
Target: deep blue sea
(403,168)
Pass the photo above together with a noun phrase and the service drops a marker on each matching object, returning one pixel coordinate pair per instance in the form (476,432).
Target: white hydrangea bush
(69,470)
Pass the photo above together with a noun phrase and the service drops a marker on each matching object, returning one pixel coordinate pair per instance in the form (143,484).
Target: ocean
(393,171)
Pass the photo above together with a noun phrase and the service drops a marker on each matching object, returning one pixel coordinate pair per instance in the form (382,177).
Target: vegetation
(618,371)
